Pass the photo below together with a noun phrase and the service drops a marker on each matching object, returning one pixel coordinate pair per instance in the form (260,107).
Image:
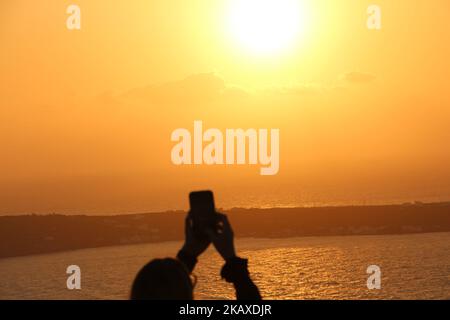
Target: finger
(226,223)
(188,224)
(220,225)
(221,218)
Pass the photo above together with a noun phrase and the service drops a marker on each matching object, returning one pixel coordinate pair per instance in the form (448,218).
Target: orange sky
(86,115)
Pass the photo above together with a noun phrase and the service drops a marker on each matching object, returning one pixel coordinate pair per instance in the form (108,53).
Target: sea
(413,266)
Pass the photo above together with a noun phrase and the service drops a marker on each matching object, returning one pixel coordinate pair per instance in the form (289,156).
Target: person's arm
(235,269)
(192,246)
(187,259)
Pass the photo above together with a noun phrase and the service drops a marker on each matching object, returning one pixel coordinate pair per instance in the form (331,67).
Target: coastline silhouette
(56,233)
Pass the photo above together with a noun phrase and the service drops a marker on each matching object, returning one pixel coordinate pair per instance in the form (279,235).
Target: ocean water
(412,267)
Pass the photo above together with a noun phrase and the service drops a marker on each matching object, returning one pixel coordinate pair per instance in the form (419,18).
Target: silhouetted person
(163,279)
(169,279)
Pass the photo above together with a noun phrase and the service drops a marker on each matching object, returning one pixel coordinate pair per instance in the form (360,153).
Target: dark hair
(162,279)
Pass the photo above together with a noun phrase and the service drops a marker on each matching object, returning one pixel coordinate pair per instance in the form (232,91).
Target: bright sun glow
(266,27)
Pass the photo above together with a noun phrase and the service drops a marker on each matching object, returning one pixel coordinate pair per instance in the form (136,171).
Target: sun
(266,27)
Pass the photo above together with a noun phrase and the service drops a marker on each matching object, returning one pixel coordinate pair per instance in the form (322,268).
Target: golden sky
(86,115)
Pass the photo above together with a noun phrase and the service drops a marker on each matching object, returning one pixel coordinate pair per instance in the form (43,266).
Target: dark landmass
(35,234)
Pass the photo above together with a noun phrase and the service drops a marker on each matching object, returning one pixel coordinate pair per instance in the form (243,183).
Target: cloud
(296,89)
(196,88)
(205,88)
(358,77)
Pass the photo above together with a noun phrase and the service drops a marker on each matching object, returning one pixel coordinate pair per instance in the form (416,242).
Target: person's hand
(223,238)
(192,244)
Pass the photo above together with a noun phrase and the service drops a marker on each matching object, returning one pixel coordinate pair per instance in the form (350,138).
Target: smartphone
(203,212)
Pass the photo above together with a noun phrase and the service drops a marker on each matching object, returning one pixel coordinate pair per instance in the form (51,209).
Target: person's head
(162,279)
